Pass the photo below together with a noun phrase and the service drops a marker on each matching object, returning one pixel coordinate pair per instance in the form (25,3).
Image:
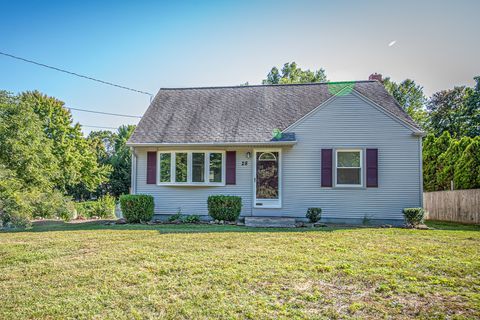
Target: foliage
(175,217)
(137,208)
(414,216)
(467,168)
(112,151)
(290,73)
(52,204)
(447,162)
(15,207)
(23,147)
(314,214)
(432,149)
(191,219)
(104,207)
(227,208)
(77,161)
(411,98)
(456,110)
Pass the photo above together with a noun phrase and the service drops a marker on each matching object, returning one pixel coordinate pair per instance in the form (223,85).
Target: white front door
(267,178)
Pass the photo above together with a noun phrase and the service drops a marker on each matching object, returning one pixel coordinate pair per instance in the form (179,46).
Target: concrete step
(270,222)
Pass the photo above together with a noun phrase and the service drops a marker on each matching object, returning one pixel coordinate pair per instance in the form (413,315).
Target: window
(198,167)
(165,167)
(191,167)
(215,167)
(349,168)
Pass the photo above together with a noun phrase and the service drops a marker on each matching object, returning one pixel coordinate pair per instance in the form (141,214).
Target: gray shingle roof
(243,113)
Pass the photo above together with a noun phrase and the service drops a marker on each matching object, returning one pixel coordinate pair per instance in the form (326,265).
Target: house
(346,147)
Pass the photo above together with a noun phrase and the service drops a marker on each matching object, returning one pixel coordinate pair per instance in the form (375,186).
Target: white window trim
(189,168)
(340,185)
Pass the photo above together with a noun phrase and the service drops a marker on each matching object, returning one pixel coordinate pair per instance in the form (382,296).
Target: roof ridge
(271,85)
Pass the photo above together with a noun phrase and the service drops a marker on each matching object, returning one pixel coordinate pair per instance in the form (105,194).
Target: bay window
(191,167)
(349,168)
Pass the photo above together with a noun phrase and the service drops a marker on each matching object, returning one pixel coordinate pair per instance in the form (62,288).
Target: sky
(148,45)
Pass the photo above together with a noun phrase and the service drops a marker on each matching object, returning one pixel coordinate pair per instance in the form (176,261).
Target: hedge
(137,207)
(225,208)
(414,216)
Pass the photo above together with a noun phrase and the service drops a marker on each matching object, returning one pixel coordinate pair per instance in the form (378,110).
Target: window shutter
(327,162)
(151,167)
(231,163)
(372,168)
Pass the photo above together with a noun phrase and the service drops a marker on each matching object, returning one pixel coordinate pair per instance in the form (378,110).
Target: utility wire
(107,113)
(76,74)
(98,127)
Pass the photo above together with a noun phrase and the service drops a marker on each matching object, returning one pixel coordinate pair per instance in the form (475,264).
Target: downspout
(133,184)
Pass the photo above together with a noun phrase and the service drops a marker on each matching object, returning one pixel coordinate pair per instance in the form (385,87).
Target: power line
(107,113)
(76,74)
(98,127)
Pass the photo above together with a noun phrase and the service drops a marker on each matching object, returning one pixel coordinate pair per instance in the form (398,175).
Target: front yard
(88,270)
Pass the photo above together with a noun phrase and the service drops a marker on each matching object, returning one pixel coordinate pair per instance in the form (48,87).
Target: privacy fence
(456,206)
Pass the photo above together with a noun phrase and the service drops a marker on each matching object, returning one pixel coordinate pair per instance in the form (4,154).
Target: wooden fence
(456,206)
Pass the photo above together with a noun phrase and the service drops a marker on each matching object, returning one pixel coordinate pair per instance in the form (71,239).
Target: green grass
(88,270)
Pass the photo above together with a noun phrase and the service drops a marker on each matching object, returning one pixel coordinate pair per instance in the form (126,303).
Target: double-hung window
(191,167)
(349,168)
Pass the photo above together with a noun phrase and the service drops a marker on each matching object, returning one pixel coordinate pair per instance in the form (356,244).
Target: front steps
(270,222)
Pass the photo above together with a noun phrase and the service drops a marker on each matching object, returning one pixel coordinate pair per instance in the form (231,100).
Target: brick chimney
(375,76)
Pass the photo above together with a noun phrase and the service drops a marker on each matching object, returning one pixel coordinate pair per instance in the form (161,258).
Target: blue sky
(152,44)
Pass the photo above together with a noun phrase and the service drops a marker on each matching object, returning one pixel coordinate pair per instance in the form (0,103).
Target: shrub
(103,208)
(414,216)
(176,217)
(52,205)
(314,214)
(191,219)
(137,207)
(226,208)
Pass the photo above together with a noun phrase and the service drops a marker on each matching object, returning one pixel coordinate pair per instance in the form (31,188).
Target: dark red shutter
(151,167)
(327,160)
(231,163)
(372,168)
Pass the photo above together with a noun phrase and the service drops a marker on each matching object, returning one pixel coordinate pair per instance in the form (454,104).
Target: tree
(432,149)
(456,110)
(24,149)
(467,169)
(120,177)
(411,98)
(448,160)
(76,157)
(472,106)
(292,74)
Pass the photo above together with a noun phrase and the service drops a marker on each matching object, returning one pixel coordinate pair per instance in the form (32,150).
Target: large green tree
(467,169)
(112,150)
(291,73)
(456,110)
(411,98)
(432,149)
(76,157)
(24,148)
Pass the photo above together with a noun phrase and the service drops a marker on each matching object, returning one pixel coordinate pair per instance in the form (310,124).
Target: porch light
(248,155)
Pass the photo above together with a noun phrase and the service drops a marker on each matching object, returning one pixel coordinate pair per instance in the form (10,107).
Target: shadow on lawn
(55,225)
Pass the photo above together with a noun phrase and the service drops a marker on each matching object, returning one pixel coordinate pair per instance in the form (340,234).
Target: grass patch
(89,270)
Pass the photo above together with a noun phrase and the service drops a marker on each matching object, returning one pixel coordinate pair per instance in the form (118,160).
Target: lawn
(89,270)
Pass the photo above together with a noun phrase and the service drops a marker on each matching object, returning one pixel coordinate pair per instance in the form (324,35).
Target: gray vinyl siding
(193,199)
(345,122)
(350,122)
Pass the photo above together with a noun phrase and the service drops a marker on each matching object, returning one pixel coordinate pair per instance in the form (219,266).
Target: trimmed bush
(225,208)
(137,207)
(414,216)
(314,214)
